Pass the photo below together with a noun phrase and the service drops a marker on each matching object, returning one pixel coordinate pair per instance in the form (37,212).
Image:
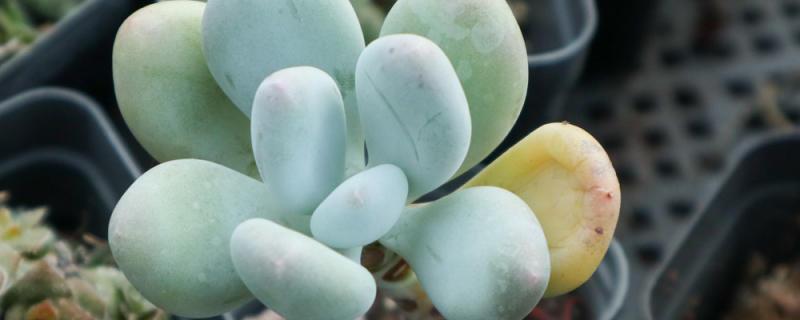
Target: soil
(769,293)
(568,307)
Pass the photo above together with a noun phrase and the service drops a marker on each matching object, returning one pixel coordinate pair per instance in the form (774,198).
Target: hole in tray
(752,15)
(612,142)
(710,162)
(644,103)
(723,49)
(766,44)
(686,97)
(625,173)
(667,168)
(715,48)
(778,78)
(641,219)
(600,110)
(793,115)
(673,57)
(791,9)
(680,208)
(739,87)
(649,254)
(655,137)
(796,37)
(699,128)
(664,29)
(755,122)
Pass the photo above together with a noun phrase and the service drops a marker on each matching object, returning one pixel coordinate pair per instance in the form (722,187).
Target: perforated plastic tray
(697,93)
(753,219)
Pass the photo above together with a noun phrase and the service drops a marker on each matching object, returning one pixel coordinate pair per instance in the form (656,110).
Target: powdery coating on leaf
(166,94)
(566,177)
(297,276)
(413,110)
(484,42)
(298,129)
(478,253)
(484,35)
(361,209)
(247,40)
(169,234)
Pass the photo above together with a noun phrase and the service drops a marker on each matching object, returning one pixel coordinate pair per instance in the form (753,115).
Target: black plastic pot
(75,53)
(58,150)
(670,127)
(621,35)
(756,211)
(605,292)
(558,33)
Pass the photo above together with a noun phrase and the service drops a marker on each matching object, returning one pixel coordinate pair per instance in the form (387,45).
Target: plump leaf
(169,234)
(298,128)
(247,40)
(478,253)
(166,94)
(413,110)
(297,276)
(361,209)
(485,44)
(566,177)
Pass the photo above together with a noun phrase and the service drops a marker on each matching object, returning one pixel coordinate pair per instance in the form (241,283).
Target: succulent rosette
(289,145)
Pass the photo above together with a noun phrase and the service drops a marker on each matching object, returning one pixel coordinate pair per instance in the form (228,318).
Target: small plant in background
(261,111)
(43,277)
(24,21)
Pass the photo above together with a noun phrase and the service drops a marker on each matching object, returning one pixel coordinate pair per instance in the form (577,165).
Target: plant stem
(398,282)
(771,110)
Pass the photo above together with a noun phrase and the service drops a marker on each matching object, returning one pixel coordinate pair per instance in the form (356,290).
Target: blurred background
(696,101)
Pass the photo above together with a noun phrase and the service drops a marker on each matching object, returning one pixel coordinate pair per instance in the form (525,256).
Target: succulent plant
(23,21)
(262,112)
(42,277)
